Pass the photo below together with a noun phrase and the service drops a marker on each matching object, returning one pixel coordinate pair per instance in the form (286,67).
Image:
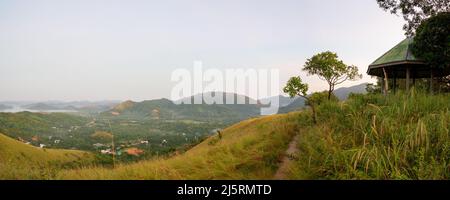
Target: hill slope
(22,161)
(401,136)
(250,149)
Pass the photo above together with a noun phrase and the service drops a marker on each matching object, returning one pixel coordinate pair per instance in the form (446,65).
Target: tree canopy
(329,68)
(414,11)
(295,87)
(432,40)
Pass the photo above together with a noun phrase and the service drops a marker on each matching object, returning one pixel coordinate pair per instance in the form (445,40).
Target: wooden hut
(399,62)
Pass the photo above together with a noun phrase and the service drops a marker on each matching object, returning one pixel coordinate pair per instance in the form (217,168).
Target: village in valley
(127,140)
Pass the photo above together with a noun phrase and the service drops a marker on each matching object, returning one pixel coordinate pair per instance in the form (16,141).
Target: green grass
(248,150)
(22,161)
(374,137)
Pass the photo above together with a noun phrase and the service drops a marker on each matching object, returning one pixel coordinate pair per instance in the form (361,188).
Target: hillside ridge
(19,160)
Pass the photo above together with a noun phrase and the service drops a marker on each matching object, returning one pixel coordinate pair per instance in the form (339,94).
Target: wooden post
(386,85)
(407,79)
(394,87)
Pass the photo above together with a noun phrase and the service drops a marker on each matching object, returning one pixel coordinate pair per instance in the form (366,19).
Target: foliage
(102,136)
(414,12)
(295,87)
(319,98)
(329,68)
(444,84)
(374,88)
(432,40)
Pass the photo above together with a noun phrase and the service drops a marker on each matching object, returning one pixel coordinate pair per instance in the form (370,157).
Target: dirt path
(287,160)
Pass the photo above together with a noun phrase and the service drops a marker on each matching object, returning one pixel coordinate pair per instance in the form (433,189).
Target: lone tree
(414,11)
(295,87)
(329,68)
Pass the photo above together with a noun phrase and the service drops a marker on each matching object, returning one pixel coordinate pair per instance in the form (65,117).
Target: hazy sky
(97,50)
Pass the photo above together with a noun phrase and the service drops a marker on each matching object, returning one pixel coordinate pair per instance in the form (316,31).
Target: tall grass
(401,136)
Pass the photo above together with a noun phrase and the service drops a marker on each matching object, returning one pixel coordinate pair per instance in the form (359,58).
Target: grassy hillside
(22,161)
(248,150)
(373,137)
(365,137)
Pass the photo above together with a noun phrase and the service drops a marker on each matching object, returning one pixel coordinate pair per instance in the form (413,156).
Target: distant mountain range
(297,103)
(343,92)
(47,106)
(4,107)
(84,106)
(282,100)
(175,110)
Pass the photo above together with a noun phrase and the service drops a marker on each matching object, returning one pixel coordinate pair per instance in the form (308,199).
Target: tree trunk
(313,109)
(314,112)
(329,92)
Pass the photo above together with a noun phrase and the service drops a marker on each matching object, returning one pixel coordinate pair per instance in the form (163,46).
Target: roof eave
(403,62)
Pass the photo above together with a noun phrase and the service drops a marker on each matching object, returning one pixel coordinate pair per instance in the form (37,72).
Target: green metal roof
(396,61)
(399,53)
